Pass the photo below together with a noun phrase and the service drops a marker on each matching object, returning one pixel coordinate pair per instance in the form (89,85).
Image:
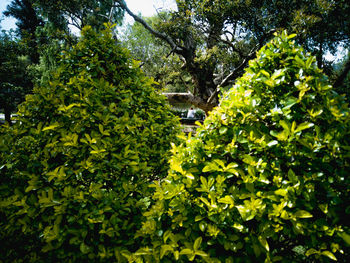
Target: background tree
(57,17)
(216,39)
(14,81)
(28,20)
(79,13)
(342,78)
(156,58)
(43,27)
(33,37)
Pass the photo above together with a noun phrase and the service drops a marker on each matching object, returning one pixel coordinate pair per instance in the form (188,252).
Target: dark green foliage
(265,179)
(76,165)
(79,13)
(28,22)
(14,80)
(342,76)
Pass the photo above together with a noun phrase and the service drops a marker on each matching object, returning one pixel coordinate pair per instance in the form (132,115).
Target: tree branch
(75,23)
(233,74)
(237,71)
(189,98)
(231,45)
(111,13)
(160,35)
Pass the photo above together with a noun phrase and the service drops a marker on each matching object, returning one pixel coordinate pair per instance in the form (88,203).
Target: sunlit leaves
(262,169)
(81,156)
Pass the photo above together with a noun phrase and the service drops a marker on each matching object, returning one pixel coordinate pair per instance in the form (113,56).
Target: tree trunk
(202,71)
(189,98)
(7,115)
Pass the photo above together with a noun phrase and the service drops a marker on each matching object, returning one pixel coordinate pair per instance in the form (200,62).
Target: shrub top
(266,176)
(78,160)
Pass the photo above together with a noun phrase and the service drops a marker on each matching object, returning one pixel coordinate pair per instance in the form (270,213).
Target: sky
(6,23)
(145,7)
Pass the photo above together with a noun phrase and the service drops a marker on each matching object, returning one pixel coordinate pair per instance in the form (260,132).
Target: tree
(76,166)
(156,58)
(55,17)
(42,28)
(79,13)
(265,177)
(14,80)
(34,36)
(216,39)
(28,21)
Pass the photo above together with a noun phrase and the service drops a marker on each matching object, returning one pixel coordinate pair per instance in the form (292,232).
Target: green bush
(76,165)
(266,178)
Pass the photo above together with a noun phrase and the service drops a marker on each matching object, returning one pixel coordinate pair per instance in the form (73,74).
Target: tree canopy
(28,21)
(43,27)
(156,57)
(216,39)
(80,13)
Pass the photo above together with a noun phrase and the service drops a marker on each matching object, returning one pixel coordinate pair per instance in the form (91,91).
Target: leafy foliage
(266,176)
(28,22)
(14,82)
(76,165)
(79,13)
(38,40)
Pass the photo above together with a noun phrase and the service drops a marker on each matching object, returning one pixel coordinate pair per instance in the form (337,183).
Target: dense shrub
(266,178)
(75,167)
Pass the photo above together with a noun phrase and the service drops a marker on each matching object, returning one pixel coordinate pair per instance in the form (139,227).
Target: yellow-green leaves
(197,243)
(70,140)
(66,108)
(281,192)
(303,214)
(264,243)
(88,139)
(329,255)
(103,132)
(191,253)
(325,253)
(219,166)
(164,250)
(227,200)
(51,127)
(265,172)
(81,155)
(58,174)
(206,184)
(290,130)
(303,126)
(251,208)
(345,237)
